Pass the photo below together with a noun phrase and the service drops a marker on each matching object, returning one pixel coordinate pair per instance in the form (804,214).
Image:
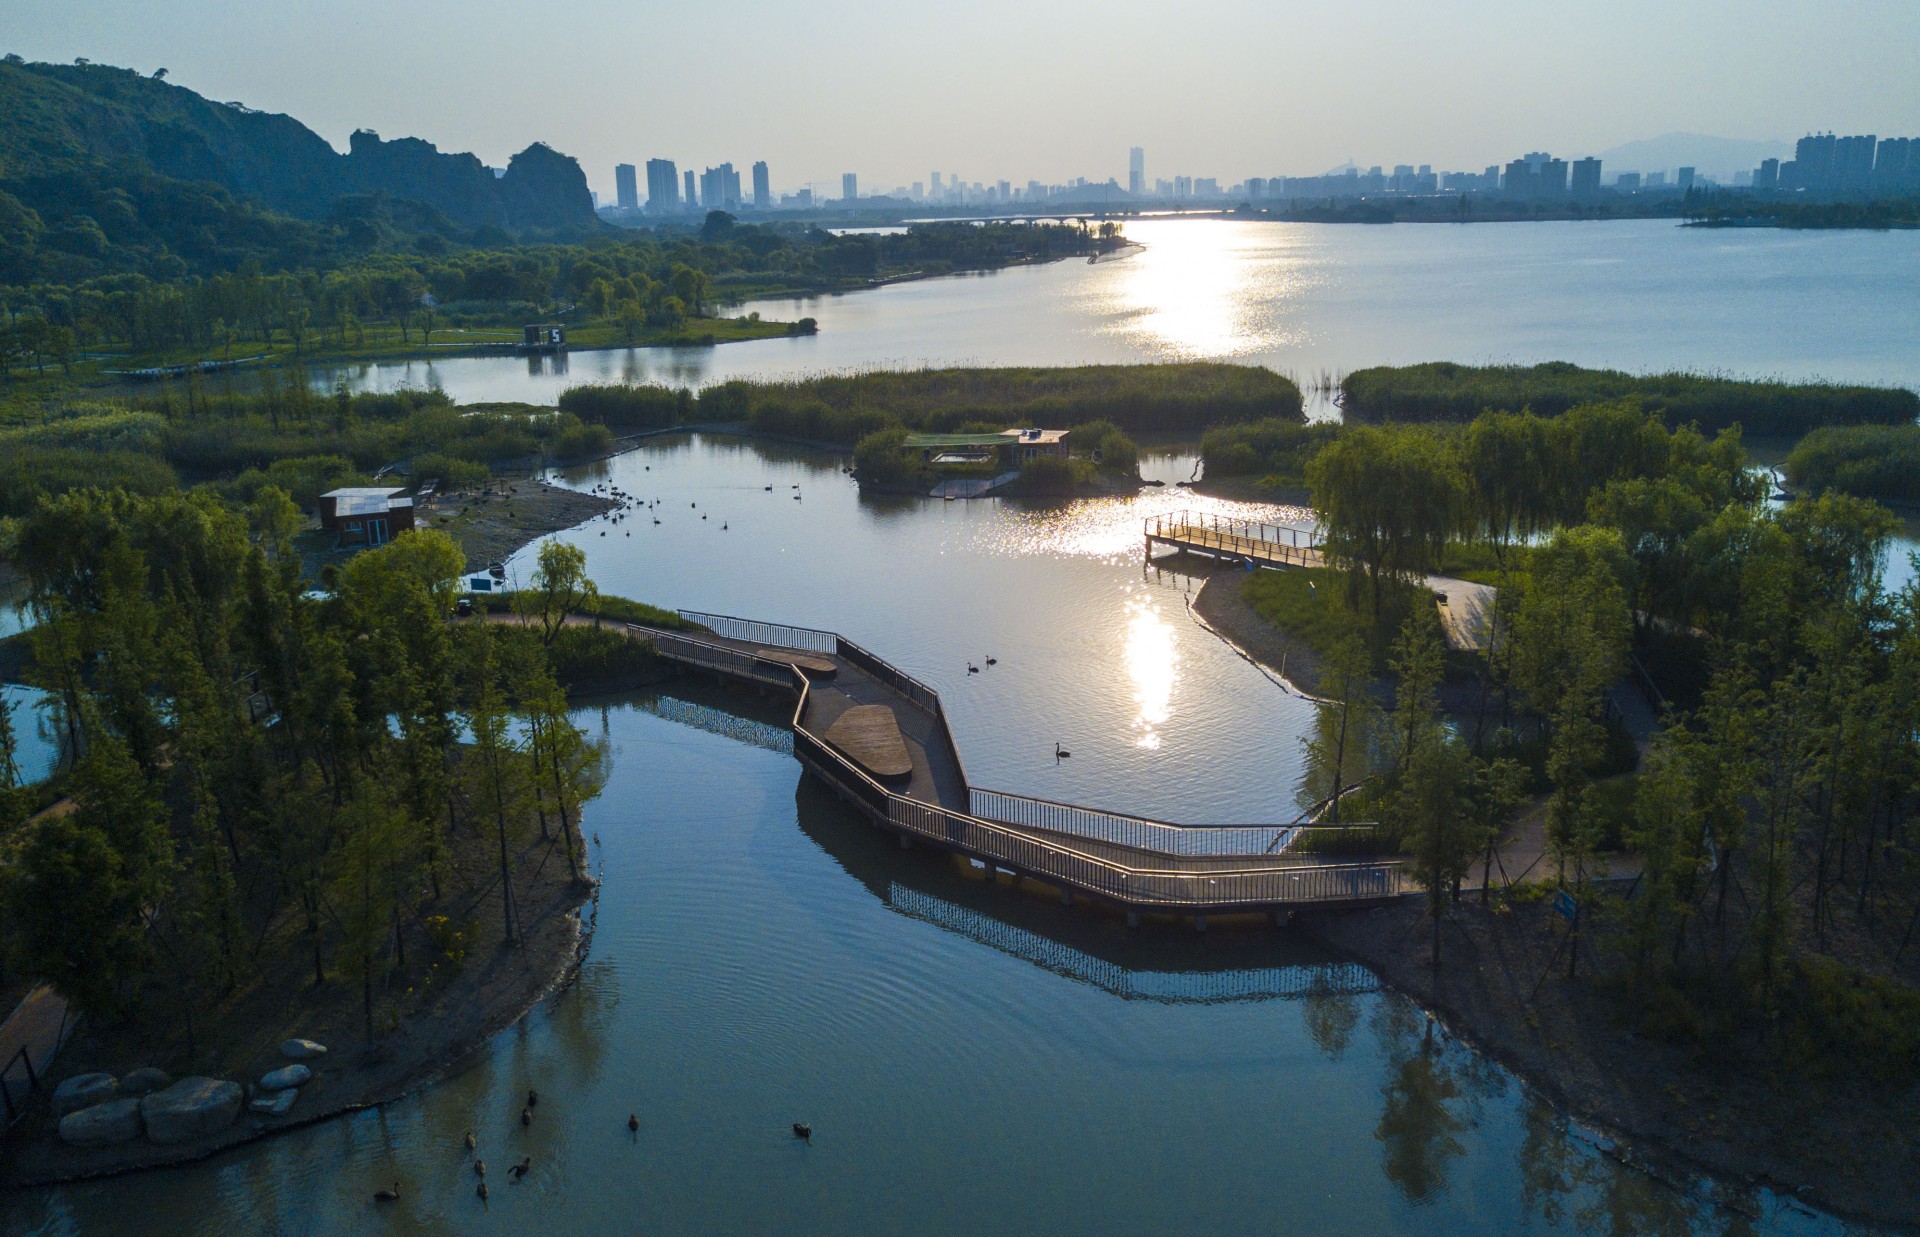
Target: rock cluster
(98,1110)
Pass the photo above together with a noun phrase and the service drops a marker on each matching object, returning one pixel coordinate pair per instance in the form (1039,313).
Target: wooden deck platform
(869,735)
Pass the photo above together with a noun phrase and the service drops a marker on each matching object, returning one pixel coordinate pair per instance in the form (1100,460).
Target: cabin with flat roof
(360,515)
(1012,447)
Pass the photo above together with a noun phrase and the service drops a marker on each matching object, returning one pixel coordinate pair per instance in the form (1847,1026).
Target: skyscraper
(692,198)
(626,188)
(1137,171)
(663,191)
(1586,178)
(936,186)
(849,186)
(762,187)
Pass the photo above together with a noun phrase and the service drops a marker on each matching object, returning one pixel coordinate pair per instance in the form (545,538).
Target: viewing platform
(1245,541)
(879,738)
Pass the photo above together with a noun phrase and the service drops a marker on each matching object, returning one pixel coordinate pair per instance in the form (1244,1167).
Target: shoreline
(1661,1114)
(486,999)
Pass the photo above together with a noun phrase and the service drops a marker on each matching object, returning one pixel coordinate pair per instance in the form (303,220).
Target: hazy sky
(1043,89)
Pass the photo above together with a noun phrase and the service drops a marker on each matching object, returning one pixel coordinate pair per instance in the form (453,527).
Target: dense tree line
(1444,391)
(255,761)
(1775,809)
(312,301)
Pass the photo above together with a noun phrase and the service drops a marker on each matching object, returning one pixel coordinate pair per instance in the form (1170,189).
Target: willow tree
(1388,499)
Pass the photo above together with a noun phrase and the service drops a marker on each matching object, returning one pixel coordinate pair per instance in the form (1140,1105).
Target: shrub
(1872,461)
(881,458)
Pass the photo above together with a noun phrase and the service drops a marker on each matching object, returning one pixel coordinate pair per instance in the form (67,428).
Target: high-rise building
(663,193)
(762,187)
(849,187)
(935,182)
(1586,178)
(1137,171)
(1767,175)
(1683,178)
(693,199)
(626,188)
(1853,163)
(1627,182)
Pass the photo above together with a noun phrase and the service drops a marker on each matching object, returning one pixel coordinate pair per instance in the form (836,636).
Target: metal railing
(922,696)
(15,1109)
(1250,538)
(1193,887)
(697,652)
(771,635)
(1138,832)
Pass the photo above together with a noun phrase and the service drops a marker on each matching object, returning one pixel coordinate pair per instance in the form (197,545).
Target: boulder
(191,1108)
(115,1121)
(276,1105)
(83,1091)
(284,1077)
(145,1081)
(302,1050)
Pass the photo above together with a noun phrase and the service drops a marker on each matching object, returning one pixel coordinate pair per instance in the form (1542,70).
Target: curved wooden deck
(1132,862)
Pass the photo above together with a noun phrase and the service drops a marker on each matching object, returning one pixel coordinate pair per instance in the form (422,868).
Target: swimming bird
(1060,753)
(972,669)
(703,515)
(519,1170)
(481,1190)
(656,519)
(769,489)
(693,506)
(802,1131)
(633,1123)
(993,661)
(526,1116)
(723,526)
(533,1097)
(387,1196)
(470,1142)
(796,498)
(479,1168)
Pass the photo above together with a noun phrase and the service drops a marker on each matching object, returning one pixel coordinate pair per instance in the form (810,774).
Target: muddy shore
(1844,1145)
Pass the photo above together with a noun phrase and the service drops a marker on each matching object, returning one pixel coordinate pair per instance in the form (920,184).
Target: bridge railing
(1279,536)
(698,652)
(1139,832)
(922,696)
(772,635)
(1172,888)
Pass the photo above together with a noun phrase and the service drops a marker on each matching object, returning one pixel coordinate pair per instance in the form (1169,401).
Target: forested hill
(93,156)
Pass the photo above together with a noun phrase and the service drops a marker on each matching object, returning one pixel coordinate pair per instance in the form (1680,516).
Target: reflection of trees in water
(1564,1182)
(1419,1123)
(1331,1016)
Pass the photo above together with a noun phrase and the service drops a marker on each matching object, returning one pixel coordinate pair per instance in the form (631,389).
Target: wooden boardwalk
(1245,541)
(1131,862)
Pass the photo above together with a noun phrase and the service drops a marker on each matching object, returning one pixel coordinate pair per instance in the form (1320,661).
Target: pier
(1245,541)
(880,739)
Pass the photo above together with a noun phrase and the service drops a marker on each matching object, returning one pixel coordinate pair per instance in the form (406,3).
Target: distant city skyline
(1222,89)
(1821,163)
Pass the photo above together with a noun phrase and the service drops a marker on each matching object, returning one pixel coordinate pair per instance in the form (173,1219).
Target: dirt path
(39,1025)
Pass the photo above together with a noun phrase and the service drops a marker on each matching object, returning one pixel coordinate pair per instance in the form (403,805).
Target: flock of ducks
(801,1131)
(631,503)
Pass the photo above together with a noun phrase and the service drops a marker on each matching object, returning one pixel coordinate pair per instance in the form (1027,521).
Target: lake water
(972,1059)
(1313,300)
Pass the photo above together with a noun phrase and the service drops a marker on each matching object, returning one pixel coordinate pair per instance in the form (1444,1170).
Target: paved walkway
(40,1024)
